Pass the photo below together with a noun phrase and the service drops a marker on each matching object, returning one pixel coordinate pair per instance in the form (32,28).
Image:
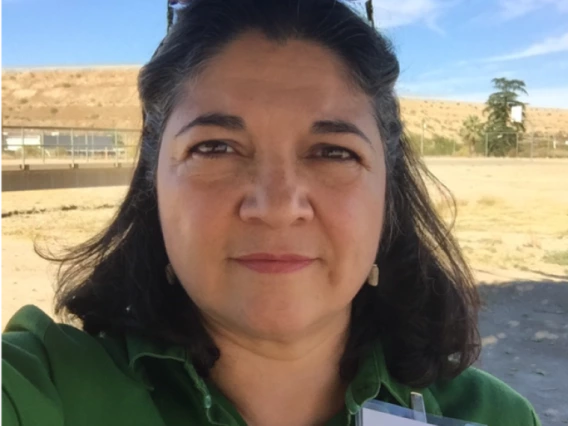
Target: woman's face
(271,189)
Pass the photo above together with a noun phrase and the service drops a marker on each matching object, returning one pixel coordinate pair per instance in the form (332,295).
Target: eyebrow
(236,123)
(338,126)
(229,122)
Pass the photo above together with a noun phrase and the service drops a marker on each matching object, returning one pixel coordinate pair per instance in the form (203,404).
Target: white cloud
(545,47)
(511,9)
(397,13)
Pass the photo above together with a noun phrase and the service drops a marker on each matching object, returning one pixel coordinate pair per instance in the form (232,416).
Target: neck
(285,382)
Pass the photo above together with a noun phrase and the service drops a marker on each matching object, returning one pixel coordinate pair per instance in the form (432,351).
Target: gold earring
(373,278)
(170,274)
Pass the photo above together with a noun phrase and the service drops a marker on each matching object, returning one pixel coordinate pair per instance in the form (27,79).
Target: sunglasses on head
(363,8)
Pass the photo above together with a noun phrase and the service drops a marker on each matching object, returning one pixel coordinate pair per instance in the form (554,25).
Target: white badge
(371,417)
(379,413)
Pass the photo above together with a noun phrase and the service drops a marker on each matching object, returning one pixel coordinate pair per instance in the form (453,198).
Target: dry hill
(107,98)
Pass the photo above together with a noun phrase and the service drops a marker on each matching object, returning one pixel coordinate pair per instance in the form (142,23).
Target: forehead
(253,72)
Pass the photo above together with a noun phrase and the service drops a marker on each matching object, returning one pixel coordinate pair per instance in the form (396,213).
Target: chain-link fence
(525,145)
(540,145)
(37,145)
(41,145)
(494,144)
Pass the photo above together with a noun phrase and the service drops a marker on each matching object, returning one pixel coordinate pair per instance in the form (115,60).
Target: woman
(239,281)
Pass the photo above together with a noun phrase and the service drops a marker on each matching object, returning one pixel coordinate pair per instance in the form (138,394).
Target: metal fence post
(23,148)
(487,144)
(548,143)
(517,144)
(115,148)
(422,139)
(72,148)
(42,144)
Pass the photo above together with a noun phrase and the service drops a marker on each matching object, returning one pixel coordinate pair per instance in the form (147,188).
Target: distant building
(63,142)
(80,144)
(13,143)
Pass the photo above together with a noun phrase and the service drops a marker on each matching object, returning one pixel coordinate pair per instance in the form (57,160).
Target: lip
(268,263)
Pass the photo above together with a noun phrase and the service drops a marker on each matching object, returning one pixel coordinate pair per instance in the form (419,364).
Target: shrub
(440,145)
(32,151)
(557,257)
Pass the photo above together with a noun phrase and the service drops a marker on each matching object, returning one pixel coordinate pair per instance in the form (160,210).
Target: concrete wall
(22,180)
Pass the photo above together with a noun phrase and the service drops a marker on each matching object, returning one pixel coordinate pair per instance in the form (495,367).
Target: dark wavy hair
(424,310)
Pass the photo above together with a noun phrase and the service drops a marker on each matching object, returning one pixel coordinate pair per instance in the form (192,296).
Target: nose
(278,197)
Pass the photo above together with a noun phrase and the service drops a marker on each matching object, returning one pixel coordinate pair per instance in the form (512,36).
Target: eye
(337,153)
(211,149)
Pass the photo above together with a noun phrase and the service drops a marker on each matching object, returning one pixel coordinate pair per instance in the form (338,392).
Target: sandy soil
(512,225)
(108,98)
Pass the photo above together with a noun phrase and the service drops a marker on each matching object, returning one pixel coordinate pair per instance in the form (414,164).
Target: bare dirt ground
(108,98)
(512,225)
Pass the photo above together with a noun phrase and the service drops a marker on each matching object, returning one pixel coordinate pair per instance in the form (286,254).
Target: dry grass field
(107,98)
(512,214)
(512,225)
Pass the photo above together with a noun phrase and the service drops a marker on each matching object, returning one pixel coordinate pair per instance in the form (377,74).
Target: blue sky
(448,49)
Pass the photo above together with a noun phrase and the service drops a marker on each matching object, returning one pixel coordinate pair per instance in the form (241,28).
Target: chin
(278,324)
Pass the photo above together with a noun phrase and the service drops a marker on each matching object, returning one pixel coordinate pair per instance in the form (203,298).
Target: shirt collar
(138,347)
(371,378)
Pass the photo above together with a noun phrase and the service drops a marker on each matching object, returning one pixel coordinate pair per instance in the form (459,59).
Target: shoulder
(480,397)
(26,372)
(46,364)
(33,332)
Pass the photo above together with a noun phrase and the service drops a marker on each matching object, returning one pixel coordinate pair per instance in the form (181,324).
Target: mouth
(267,263)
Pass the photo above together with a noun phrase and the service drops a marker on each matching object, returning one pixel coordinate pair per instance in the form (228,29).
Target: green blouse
(56,375)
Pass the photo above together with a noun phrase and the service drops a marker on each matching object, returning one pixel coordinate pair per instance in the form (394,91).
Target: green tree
(471,132)
(501,130)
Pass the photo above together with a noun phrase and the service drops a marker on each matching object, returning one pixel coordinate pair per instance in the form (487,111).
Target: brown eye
(211,149)
(336,153)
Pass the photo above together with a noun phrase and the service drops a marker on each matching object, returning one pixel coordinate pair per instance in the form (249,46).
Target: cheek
(353,217)
(194,207)
(334,177)
(358,204)
(195,218)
